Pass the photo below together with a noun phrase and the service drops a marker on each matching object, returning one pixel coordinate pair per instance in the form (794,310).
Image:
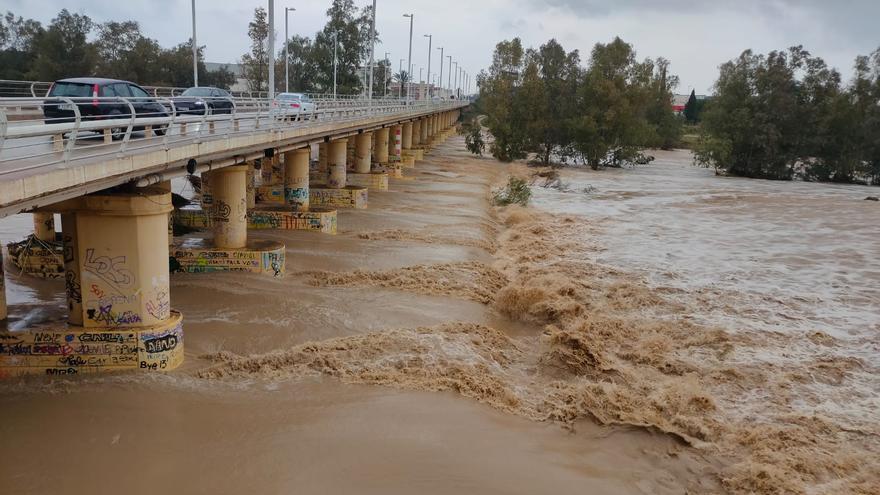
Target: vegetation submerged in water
(517,191)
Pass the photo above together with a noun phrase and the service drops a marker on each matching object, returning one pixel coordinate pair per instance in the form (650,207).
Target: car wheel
(160,130)
(117,133)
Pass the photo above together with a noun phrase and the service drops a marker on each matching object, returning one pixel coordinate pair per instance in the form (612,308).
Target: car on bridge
(291,105)
(98,99)
(202,100)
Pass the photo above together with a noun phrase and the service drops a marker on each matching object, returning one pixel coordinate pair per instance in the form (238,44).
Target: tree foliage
(787,115)
(311,59)
(119,50)
(544,102)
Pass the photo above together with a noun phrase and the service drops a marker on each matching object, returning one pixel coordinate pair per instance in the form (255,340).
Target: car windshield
(290,96)
(197,92)
(71,89)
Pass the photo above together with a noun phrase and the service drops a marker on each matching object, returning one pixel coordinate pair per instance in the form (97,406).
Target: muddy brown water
(375,404)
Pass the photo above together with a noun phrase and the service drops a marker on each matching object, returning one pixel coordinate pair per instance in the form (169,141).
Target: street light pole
(372,52)
(385,81)
(428,77)
(449,76)
(335,44)
(287,10)
(409,58)
(195,48)
(440,79)
(399,82)
(421,82)
(455,87)
(271,49)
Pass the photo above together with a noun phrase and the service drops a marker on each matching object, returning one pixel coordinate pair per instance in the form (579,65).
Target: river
(647,330)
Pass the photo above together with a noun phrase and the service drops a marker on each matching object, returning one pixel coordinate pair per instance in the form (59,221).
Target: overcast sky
(696,36)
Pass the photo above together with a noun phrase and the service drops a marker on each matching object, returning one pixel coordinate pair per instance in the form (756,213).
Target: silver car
(292,105)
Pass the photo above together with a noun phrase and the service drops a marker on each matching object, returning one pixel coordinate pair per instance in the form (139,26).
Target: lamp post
(428,76)
(399,82)
(271,49)
(385,81)
(409,58)
(372,53)
(455,87)
(449,76)
(440,79)
(335,44)
(421,82)
(287,10)
(195,48)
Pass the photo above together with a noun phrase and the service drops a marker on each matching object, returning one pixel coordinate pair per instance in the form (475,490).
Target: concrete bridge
(109,179)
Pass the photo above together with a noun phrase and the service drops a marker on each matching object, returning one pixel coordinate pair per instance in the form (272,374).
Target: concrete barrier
(262,257)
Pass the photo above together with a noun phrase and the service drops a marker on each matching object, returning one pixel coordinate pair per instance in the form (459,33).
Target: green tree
(63,50)
(691,108)
(17,45)
(667,126)
(610,128)
(256,62)
(498,91)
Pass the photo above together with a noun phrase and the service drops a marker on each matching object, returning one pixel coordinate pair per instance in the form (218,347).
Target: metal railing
(35,89)
(61,130)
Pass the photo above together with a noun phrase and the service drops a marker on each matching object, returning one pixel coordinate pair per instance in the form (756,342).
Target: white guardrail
(34,89)
(41,132)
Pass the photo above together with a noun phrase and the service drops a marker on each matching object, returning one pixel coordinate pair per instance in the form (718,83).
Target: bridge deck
(34,173)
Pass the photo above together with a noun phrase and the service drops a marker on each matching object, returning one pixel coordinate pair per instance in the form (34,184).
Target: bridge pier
(418,150)
(228,218)
(407,156)
(44,226)
(336,192)
(423,133)
(395,151)
(363,176)
(3,311)
(39,254)
(117,285)
(296,179)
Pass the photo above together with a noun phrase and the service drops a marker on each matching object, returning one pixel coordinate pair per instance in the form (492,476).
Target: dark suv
(57,111)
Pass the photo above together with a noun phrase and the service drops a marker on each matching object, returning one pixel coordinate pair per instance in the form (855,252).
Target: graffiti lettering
(161,344)
(110,270)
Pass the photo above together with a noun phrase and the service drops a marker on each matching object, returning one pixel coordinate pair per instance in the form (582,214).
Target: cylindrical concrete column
(381,149)
(206,193)
(323,158)
(362,157)
(251,185)
(336,163)
(417,133)
(396,141)
(296,179)
(122,257)
(3,311)
(72,277)
(423,131)
(430,121)
(351,153)
(406,141)
(44,226)
(229,213)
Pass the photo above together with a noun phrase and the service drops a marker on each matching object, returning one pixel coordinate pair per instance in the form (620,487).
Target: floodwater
(641,331)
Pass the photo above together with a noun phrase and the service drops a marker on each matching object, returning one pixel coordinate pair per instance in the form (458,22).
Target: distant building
(680,101)
(237,69)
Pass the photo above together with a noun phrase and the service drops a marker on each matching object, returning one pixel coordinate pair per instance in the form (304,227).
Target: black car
(199,100)
(57,111)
